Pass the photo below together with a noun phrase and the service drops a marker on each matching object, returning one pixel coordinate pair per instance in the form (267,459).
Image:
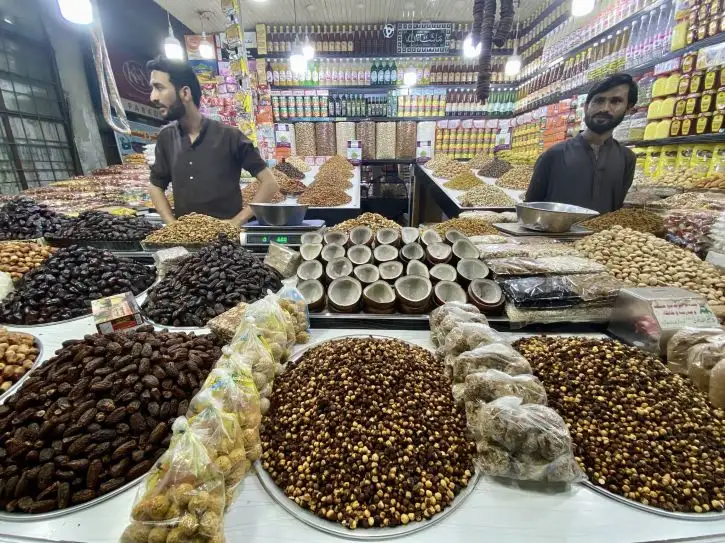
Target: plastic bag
(561,290)
(467,336)
(224,326)
(273,323)
(681,342)
(523,441)
(520,317)
(305,139)
(716,394)
(6,285)
(495,356)
(447,316)
(366,135)
(283,259)
(292,301)
(325,140)
(701,358)
(222,436)
(405,139)
(182,498)
(553,265)
(489,385)
(249,349)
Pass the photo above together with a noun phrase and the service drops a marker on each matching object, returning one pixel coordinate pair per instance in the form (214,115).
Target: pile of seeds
(479,161)
(98,225)
(463,181)
(192,228)
(517,178)
(364,432)
(96,415)
(692,200)
(469,227)
(287,185)
(486,196)
(496,168)
(639,430)
(636,219)
(375,221)
(447,168)
(324,196)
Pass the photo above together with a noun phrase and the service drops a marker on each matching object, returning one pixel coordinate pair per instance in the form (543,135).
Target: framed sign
(424,37)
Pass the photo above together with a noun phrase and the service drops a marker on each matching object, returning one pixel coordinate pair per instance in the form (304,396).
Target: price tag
(685,313)
(354,151)
(423,150)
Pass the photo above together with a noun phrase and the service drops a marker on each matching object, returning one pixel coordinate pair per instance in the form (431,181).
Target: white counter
(493,512)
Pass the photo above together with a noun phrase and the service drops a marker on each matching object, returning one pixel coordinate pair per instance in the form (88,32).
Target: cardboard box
(116,313)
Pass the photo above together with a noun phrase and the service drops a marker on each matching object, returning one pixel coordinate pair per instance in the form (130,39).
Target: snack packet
(292,301)
(487,386)
(447,316)
(494,356)
(467,336)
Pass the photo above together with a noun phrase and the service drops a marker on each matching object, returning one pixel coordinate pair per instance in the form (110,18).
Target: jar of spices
(702,126)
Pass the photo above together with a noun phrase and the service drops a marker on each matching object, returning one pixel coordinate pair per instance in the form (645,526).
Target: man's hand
(234,221)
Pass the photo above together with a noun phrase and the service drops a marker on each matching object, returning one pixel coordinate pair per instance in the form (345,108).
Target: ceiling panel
(327,11)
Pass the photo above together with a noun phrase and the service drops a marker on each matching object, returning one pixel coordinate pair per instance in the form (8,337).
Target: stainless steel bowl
(551,216)
(279,214)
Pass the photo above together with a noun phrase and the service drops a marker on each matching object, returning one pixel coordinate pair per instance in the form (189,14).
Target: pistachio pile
(644,260)
(469,227)
(375,221)
(447,168)
(463,181)
(636,219)
(190,229)
(517,178)
(639,430)
(485,195)
(364,432)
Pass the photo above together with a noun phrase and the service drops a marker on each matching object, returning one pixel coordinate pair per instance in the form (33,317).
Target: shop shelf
(705,138)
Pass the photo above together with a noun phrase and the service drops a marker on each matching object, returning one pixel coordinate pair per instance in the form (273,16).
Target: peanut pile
(17,356)
(18,258)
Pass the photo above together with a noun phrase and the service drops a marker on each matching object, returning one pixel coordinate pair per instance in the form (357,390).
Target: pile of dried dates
(65,284)
(96,416)
(23,218)
(207,283)
(98,225)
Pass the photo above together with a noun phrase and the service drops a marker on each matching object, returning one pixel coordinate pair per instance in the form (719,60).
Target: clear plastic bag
(283,259)
(222,436)
(716,394)
(561,290)
(467,336)
(6,285)
(552,265)
(405,139)
(385,140)
(182,498)
(447,316)
(273,323)
(305,139)
(494,356)
(520,317)
(487,386)
(224,326)
(325,140)
(523,441)
(681,342)
(166,259)
(366,135)
(701,358)
(292,301)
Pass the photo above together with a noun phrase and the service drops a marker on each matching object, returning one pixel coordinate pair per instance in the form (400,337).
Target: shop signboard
(141,135)
(431,38)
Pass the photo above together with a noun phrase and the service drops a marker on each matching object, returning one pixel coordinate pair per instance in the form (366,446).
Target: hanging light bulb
(579,8)
(307,50)
(513,65)
(172,46)
(79,12)
(297,60)
(206,49)
(469,51)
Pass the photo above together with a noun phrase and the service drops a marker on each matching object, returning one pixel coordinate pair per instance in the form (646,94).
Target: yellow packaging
(717,162)
(659,86)
(679,36)
(671,83)
(650,133)
(652,161)
(667,108)
(684,156)
(701,157)
(653,111)
(667,162)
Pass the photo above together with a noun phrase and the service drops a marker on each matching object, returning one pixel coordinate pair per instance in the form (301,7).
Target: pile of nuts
(288,185)
(98,225)
(639,430)
(496,168)
(17,356)
(715,180)
(23,218)
(481,160)
(469,227)
(299,163)
(65,284)
(289,170)
(207,283)
(250,191)
(305,139)
(486,195)
(679,178)
(643,260)
(517,178)
(364,432)
(18,258)
(330,184)
(97,415)
(324,196)
(190,229)
(463,181)
(636,219)
(692,200)
(447,168)
(375,221)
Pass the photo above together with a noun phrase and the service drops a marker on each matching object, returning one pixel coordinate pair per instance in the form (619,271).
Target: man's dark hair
(180,74)
(613,81)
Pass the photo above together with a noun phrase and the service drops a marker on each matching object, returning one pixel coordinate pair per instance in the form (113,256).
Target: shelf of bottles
(465,142)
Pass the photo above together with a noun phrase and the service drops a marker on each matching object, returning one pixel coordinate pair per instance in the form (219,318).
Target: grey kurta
(569,173)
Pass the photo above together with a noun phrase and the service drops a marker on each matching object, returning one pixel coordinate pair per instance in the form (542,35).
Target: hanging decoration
(484,16)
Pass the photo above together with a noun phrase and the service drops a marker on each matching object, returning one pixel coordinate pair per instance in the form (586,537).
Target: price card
(678,314)
(354,151)
(423,150)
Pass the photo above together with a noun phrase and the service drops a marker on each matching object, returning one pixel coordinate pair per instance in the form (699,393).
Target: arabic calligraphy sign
(424,37)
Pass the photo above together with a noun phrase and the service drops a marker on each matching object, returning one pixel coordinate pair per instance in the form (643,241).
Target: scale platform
(517,229)
(257,234)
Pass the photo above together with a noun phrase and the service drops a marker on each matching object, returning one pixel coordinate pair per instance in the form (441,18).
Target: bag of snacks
(221,434)
(294,303)
(274,324)
(716,394)
(250,350)
(702,358)
(467,336)
(182,497)
(681,342)
(495,356)
(520,441)
(447,316)
(487,386)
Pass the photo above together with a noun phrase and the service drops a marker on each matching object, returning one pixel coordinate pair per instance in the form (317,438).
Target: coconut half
(472,268)
(409,234)
(486,291)
(340,267)
(385,253)
(361,235)
(331,252)
(311,251)
(413,289)
(443,272)
(310,269)
(311,237)
(344,293)
(429,237)
(416,267)
(448,291)
(360,254)
(412,251)
(312,291)
(388,236)
(367,273)
(465,249)
(380,292)
(454,235)
(439,253)
(390,271)
(335,236)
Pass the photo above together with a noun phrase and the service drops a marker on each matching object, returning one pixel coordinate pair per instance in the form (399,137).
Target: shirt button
(191,177)
(191,163)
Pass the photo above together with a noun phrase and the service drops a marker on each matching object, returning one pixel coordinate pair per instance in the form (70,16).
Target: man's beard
(175,112)
(602,122)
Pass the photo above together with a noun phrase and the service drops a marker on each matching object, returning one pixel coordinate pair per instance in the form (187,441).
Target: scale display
(266,239)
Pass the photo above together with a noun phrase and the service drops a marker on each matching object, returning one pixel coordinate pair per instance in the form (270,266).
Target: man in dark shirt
(202,158)
(591,170)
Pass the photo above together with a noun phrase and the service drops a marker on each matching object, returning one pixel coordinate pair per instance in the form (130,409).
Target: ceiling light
(579,8)
(8,20)
(79,12)
(206,49)
(297,60)
(307,50)
(259,1)
(513,65)
(410,78)
(172,46)
(469,51)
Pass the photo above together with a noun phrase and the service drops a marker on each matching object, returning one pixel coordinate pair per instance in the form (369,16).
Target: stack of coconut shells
(393,271)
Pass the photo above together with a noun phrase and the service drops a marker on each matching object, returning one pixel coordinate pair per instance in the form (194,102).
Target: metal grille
(35,143)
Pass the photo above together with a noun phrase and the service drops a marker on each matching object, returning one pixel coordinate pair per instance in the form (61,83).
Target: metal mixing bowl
(279,214)
(551,217)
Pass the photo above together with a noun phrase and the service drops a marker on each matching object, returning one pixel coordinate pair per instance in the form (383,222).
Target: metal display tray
(655,510)
(391,321)
(333,528)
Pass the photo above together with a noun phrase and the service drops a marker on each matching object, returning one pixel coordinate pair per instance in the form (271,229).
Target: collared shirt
(570,173)
(205,174)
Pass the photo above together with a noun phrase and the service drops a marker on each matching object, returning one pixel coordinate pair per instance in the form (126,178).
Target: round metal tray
(38,361)
(174,328)
(334,528)
(655,510)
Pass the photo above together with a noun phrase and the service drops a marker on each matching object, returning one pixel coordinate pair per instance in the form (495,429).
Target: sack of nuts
(182,497)
(292,301)
(275,324)
(447,316)
(467,336)
(682,341)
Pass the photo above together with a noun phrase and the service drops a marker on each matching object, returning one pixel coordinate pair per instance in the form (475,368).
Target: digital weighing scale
(257,235)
